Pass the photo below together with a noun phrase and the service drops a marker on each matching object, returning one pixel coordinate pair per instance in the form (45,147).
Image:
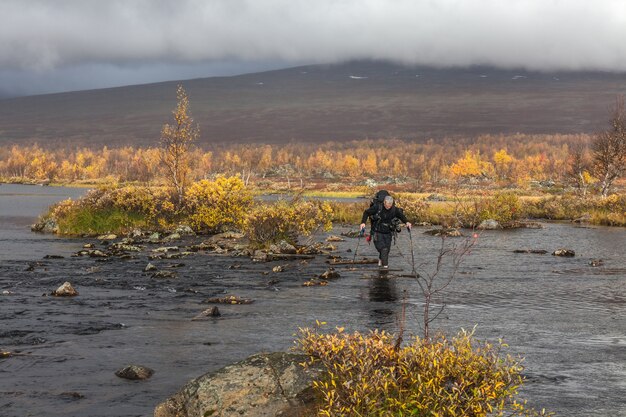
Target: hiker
(385,218)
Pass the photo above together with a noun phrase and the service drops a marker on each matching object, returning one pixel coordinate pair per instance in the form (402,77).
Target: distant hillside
(321,103)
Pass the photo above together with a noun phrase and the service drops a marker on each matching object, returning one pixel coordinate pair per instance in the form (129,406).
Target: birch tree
(176,141)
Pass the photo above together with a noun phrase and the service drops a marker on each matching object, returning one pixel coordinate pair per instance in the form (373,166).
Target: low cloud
(39,36)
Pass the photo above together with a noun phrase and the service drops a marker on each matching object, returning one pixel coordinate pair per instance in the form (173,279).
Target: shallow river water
(567,318)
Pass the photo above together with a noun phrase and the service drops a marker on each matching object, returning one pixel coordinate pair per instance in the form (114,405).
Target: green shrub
(368,375)
(85,221)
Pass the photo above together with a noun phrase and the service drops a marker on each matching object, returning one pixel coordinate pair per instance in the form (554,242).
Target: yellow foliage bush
(270,223)
(218,205)
(415,209)
(503,207)
(367,375)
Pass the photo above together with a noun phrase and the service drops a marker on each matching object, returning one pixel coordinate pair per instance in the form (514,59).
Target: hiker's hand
(362,226)
(408,226)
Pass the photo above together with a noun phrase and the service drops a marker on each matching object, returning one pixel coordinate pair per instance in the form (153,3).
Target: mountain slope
(321,103)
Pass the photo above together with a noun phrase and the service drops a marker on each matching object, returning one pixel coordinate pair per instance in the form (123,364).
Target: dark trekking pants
(382,242)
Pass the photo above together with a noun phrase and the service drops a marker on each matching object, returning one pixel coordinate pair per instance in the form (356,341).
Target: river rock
(269,384)
(134,372)
(535,251)
(226,235)
(107,237)
(583,219)
(209,312)
(164,274)
(65,290)
(172,237)
(568,253)
(330,273)
(333,238)
(596,262)
(444,232)
(150,267)
(45,226)
(135,234)
(283,247)
(125,247)
(89,246)
(165,249)
(184,230)
(489,224)
(259,256)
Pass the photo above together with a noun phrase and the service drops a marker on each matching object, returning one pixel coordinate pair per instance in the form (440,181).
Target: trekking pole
(413,271)
(361,233)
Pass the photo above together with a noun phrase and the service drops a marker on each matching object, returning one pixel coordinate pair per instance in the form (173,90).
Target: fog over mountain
(63,45)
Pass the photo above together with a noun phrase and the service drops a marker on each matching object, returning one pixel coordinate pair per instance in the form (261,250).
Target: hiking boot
(386,267)
(380,263)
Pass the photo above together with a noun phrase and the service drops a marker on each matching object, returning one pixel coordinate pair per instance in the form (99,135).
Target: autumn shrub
(114,209)
(84,221)
(368,375)
(218,205)
(347,213)
(415,209)
(503,207)
(271,222)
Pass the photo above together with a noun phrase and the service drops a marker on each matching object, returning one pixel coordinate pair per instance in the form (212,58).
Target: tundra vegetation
(456,183)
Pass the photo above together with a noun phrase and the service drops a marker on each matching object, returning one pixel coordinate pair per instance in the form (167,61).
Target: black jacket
(381,222)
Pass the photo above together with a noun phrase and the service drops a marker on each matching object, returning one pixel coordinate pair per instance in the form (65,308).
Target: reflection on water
(567,318)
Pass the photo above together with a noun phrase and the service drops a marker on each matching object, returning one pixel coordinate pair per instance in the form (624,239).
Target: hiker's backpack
(378,201)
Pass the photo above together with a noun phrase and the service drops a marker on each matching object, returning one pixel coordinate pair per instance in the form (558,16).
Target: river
(565,317)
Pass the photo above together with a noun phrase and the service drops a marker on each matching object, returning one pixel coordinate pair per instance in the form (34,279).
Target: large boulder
(269,384)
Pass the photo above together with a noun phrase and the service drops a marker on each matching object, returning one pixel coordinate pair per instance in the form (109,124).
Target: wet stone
(65,290)
(184,230)
(330,273)
(489,224)
(107,237)
(231,299)
(71,395)
(164,274)
(596,262)
(444,232)
(283,247)
(134,372)
(165,249)
(568,253)
(534,251)
(172,237)
(209,312)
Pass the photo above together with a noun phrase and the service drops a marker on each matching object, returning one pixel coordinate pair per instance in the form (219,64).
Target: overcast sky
(60,45)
